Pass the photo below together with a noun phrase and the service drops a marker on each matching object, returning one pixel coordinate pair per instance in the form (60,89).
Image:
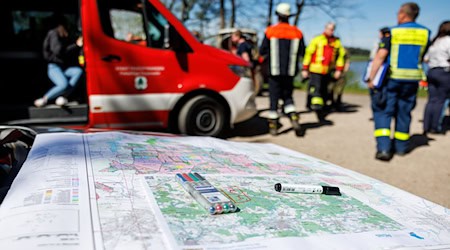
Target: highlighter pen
(195,194)
(306,189)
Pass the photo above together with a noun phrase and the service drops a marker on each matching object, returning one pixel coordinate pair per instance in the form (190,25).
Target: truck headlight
(241,71)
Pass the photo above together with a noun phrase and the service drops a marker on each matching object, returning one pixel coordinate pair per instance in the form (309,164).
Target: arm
(55,45)
(340,62)
(245,56)
(75,46)
(264,49)
(300,54)
(347,62)
(309,51)
(244,51)
(380,57)
(301,49)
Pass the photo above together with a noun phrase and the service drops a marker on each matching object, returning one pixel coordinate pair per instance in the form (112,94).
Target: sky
(362,32)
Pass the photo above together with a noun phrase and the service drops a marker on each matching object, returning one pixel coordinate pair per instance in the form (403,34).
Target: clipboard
(379,77)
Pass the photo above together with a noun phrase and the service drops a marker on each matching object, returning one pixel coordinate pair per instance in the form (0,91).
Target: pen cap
(278,187)
(331,190)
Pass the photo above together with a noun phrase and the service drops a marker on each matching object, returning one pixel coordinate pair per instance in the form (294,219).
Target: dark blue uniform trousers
(438,92)
(280,87)
(400,101)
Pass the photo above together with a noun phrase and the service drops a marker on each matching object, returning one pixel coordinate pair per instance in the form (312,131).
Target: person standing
(283,44)
(438,59)
(323,54)
(63,66)
(383,32)
(378,94)
(404,50)
(339,84)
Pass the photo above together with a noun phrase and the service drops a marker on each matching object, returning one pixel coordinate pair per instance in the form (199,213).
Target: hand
(370,83)
(305,74)
(79,42)
(337,74)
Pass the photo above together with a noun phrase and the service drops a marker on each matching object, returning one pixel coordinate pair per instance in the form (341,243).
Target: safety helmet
(283,9)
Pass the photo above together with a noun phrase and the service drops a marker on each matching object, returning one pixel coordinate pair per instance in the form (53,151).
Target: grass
(352,86)
(359,58)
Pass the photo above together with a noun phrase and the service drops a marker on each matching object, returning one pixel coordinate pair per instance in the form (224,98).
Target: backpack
(15,143)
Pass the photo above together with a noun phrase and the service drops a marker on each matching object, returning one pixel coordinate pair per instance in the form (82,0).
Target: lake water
(358,69)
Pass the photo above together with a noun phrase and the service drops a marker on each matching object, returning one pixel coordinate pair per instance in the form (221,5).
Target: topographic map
(124,163)
(263,213)
(117,190)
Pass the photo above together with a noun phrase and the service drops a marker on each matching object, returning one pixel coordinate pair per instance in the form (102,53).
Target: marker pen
(195,194)
(306,189)
(205,193)
(227,205)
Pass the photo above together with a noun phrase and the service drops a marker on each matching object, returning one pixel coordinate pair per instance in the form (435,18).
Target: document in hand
(379,77)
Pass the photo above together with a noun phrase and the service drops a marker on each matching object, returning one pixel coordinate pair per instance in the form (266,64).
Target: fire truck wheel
(202,116)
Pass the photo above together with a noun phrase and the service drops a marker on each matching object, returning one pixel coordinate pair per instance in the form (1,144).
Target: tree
(186,9)
(222,14)
(208,15)
(299,5)
(269,16)
(333,8)
(233,13)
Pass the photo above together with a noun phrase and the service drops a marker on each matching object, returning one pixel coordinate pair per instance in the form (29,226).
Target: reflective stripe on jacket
(323,53)
(283,44)
(408,44)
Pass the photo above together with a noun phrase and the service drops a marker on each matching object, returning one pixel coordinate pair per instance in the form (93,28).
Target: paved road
(349,143)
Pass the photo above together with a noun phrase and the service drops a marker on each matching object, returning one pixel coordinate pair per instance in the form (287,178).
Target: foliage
(358,51)
(208,16)
(359,58)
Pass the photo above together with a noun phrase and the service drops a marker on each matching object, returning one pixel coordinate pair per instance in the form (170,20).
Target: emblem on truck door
(140,82)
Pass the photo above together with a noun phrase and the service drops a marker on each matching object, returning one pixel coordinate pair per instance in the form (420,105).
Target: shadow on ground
(252,127)
(419,140)
(259,125)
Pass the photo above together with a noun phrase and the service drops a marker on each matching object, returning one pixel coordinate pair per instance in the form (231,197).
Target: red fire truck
(163,79)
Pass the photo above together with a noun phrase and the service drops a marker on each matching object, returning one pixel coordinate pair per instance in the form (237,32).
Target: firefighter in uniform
(404,51)
(323,54)
(283,45)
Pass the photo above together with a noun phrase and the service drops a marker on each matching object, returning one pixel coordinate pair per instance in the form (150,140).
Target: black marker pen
(306,189)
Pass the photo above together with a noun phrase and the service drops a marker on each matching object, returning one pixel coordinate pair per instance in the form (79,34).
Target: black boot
(273,126)
(337,104)
(293,116)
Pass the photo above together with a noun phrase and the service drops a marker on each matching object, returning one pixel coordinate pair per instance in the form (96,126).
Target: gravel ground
(349,143)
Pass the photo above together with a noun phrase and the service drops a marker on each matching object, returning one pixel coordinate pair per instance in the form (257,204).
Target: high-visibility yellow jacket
(323,54)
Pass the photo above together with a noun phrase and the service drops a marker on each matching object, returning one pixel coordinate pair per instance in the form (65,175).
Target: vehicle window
(128,20)
(123,20)
(162,34)
(128,26)
(158,28)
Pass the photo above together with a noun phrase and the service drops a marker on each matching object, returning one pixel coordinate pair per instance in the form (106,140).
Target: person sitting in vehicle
(135,39)
(63,66)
